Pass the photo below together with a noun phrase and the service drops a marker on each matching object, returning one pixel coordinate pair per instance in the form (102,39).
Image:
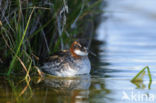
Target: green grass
(40,28)
(138,78)
(20,44)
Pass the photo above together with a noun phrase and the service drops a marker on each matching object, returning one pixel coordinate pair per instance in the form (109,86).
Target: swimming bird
(70,62)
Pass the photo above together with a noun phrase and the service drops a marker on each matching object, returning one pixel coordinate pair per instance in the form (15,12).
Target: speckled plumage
(64,64)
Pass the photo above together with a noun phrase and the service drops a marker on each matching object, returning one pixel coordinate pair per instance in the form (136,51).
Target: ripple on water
(130,46)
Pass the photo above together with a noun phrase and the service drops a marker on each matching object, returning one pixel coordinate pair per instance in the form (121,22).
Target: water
(130,35)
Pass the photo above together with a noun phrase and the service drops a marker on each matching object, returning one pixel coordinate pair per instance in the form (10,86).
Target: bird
(67,63)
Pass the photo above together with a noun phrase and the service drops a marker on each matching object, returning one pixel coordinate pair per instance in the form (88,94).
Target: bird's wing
(55,62)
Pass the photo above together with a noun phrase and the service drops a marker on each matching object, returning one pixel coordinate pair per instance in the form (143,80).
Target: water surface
(129,33)
(130,36)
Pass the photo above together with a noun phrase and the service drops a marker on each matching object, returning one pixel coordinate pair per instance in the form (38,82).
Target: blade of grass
(150,78)
(19,46)
(135,78)
(149,73)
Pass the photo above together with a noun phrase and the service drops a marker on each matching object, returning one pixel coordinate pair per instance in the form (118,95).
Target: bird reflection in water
(67,89)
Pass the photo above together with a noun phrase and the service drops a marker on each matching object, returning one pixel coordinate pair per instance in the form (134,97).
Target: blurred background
(121,32)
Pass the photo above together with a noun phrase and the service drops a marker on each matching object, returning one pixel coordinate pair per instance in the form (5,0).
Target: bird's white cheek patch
(78,52)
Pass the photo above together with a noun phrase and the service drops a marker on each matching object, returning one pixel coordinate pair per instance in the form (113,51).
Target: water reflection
(82,89)
(65,90)
(68,83)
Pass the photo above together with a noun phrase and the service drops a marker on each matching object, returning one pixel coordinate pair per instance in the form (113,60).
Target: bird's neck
(74,54)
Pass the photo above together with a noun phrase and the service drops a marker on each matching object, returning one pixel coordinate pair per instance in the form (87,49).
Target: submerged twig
(25,88)
(27,79)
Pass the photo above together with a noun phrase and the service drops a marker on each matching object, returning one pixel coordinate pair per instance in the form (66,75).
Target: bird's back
(56,63)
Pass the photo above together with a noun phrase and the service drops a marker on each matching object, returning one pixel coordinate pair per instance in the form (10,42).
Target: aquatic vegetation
(33,29)
(139,77)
